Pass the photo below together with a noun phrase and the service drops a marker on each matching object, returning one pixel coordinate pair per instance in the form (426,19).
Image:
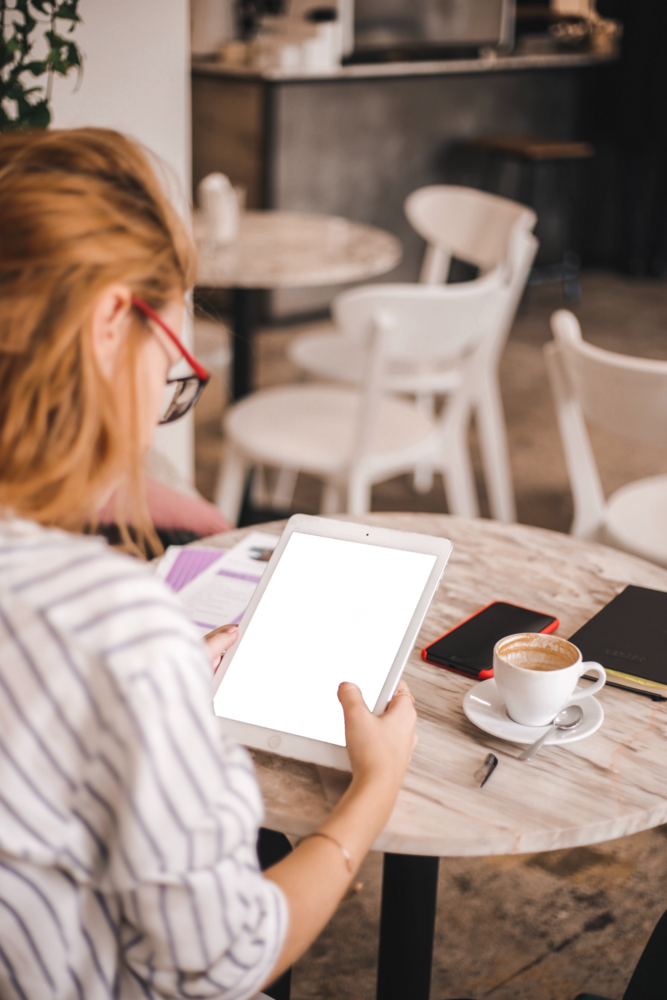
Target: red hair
(80,210)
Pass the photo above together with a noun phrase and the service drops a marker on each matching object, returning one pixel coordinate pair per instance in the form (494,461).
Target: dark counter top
(442,67)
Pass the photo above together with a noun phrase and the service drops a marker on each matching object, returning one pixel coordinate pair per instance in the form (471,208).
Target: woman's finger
(219,640)
(402,695)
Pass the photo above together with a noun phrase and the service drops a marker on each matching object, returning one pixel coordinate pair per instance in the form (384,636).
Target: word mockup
(362,619)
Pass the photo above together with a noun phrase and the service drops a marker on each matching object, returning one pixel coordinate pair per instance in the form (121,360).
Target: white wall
(136,79)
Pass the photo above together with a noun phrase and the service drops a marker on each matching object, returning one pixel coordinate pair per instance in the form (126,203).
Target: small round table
(278,249)
(609,785)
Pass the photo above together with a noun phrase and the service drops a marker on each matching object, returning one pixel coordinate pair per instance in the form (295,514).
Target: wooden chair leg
(283,492)
(259,491)
(457,474)
(495,454)
(231,485)
(358,495)
(331,499)
(422,479)
(460,485)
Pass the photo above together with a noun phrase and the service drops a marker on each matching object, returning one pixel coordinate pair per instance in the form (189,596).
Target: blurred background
(516,151)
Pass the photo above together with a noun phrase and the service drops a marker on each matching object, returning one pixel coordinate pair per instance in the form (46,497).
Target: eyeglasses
(181,394)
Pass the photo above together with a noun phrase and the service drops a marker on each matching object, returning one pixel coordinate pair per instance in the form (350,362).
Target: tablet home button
(274,742)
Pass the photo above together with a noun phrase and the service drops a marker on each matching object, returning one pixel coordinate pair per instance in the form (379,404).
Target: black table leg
(243,322)
(272,847)
(407,925)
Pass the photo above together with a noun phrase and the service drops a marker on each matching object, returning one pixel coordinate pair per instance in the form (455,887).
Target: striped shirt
(128,823)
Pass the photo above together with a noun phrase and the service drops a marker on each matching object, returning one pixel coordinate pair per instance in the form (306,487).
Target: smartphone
(468,647)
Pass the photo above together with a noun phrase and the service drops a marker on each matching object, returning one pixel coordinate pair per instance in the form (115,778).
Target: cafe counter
(356,142)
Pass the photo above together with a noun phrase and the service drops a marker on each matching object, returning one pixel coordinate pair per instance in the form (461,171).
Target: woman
(127,822)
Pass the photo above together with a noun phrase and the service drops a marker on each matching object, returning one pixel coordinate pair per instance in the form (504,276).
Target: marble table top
(609,785)
(279,249)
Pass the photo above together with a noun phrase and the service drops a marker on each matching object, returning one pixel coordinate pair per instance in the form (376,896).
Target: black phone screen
(469,646)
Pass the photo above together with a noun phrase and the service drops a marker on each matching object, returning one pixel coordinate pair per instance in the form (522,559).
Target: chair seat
(636,519)
(533,147)
(312,428)
(338,358)
(329,356)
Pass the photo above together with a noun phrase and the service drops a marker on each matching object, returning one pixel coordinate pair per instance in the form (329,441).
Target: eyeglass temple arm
(199,370)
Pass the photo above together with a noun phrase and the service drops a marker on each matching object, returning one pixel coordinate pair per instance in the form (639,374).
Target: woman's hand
(218,642)
(380,746)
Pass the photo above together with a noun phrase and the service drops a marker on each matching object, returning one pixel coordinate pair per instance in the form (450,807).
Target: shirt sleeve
(194,915)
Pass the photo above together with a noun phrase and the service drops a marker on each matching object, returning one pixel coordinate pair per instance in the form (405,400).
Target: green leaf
(39,115)
(37,68)
(17,39)
(73,54)
(57,64)
(16,92)
(54,39)
(67,12)
(29,23)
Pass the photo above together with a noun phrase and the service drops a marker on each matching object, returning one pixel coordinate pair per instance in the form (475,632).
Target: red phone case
(483,674)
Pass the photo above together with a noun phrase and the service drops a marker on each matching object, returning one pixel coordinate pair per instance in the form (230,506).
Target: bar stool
(529,153)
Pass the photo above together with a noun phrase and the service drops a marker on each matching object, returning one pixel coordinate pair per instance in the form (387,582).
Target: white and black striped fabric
(128,823)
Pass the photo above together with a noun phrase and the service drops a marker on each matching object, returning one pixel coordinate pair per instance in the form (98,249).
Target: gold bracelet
(327,836)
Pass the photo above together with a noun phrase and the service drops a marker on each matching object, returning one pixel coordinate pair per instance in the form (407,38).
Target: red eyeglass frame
(198,369)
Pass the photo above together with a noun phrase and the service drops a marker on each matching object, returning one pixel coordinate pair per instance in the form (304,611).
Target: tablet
(337,602)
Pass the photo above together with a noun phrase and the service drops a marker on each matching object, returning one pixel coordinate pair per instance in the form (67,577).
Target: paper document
(183,563)
(221,592)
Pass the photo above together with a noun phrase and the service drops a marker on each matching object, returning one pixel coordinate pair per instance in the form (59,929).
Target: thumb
(218,642)
(350,697)
(222,638)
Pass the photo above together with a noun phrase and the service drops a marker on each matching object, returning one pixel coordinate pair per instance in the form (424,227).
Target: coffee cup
(537,674)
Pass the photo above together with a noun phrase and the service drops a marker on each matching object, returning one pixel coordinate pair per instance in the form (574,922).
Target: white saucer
(484,706)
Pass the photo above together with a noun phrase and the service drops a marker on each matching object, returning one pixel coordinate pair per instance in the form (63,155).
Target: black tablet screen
(333,611)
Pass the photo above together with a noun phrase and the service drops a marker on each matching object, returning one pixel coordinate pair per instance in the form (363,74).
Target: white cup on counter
(219,205)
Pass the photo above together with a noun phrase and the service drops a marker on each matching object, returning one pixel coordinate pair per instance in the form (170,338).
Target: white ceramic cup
(220,209)
(537,674)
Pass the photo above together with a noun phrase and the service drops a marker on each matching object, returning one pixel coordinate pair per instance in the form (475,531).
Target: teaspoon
(567,718)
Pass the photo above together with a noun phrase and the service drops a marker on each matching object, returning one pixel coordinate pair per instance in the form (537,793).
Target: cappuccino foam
(532,653)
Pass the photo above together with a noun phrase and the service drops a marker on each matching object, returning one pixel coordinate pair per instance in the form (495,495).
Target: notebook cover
(628,637)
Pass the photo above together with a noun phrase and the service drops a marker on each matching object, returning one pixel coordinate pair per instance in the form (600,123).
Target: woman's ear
(109,325)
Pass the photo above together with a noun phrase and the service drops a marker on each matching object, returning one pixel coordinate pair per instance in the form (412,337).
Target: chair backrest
(624,395)
(463,222)
(421,323)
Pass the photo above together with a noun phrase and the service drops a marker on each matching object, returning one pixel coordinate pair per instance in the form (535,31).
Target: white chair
(461,222)
(494,234)
(624,395)
(354,437)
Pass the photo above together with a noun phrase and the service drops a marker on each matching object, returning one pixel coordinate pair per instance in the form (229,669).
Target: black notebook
(629,638)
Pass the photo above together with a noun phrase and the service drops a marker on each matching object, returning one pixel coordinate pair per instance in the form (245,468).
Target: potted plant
(24,102)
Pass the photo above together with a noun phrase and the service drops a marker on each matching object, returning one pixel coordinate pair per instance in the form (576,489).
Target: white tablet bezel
(302,747)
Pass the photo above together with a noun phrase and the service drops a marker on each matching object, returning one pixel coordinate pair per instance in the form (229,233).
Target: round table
(609,785)
(279,249)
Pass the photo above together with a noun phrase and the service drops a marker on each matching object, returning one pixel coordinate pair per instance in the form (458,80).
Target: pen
(486,770)
(625,687)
